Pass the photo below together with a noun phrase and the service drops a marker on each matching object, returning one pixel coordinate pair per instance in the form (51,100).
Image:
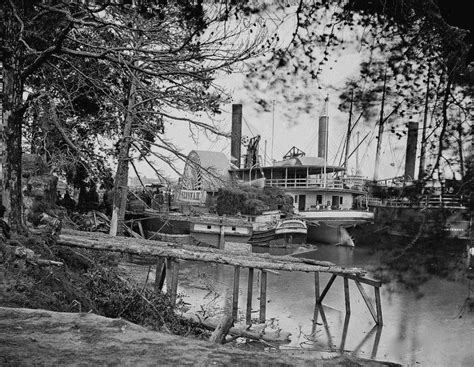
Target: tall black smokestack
(410,158)
(236,137)
(323,131)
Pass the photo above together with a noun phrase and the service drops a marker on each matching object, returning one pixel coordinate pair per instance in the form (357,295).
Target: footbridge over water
(169,255)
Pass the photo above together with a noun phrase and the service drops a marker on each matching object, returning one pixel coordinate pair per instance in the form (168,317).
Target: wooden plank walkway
(168,254)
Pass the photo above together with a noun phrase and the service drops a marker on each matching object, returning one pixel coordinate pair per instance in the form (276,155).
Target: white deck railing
(432,201)
(315,183)
(305,183)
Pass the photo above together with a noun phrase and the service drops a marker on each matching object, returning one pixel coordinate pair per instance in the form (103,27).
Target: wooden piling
(326,326)
(315,320)
(235,296)
(344,332)
(263,296)
(172,279)
(160,275)
(248,317)
(140,228)
(347,296)
(326,289)
(221,235)
(378,304)
(375,348)
(316,286)
(365,339)
(169,265)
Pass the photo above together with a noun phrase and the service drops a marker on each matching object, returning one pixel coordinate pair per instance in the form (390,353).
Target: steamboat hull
(330,226)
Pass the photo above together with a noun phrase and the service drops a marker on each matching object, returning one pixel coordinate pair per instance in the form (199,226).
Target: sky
(295,124)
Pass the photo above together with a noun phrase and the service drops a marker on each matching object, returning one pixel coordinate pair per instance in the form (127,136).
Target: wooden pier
(168,256)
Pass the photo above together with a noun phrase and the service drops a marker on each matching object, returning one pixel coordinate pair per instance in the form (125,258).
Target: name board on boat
(192,196)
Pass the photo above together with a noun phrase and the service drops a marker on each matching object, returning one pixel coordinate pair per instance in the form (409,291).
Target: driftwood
(256,332)
(219,334)
(99,241)
(43,262)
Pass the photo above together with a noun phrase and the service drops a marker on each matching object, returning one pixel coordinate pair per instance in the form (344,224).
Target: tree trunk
(10,139)
(421,171)
(460,144)
(121,177)
(444,125)
(380,134)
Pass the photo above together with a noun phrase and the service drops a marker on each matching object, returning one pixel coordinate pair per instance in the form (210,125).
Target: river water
(427,327)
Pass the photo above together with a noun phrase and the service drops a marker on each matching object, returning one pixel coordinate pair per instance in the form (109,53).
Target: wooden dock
(169,254)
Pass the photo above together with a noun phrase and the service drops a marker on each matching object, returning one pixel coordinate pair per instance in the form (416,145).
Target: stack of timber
(143,247)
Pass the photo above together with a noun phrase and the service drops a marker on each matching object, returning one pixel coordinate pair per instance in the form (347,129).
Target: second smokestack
(236,136)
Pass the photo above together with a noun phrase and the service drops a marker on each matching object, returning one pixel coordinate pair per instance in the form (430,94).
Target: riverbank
(39,337)
(39,280)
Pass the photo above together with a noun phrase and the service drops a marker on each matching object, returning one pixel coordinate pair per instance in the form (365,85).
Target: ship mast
(273,127)
(348,136)
(357,155)
(379,136)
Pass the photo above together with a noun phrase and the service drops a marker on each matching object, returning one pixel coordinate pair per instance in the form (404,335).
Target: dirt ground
(45,338)
(31,333)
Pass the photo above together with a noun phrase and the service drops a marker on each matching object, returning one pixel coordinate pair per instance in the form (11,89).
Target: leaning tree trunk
(445,122)
(10,137)
(121,177)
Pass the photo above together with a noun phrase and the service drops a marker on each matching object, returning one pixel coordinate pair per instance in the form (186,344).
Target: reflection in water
(344,332)
(319,309)
(345,255)
(376,329)
(417,330)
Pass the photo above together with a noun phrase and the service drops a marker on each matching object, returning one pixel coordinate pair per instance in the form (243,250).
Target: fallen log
(284,258)
(259,331)
(192,253)
(223,327)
